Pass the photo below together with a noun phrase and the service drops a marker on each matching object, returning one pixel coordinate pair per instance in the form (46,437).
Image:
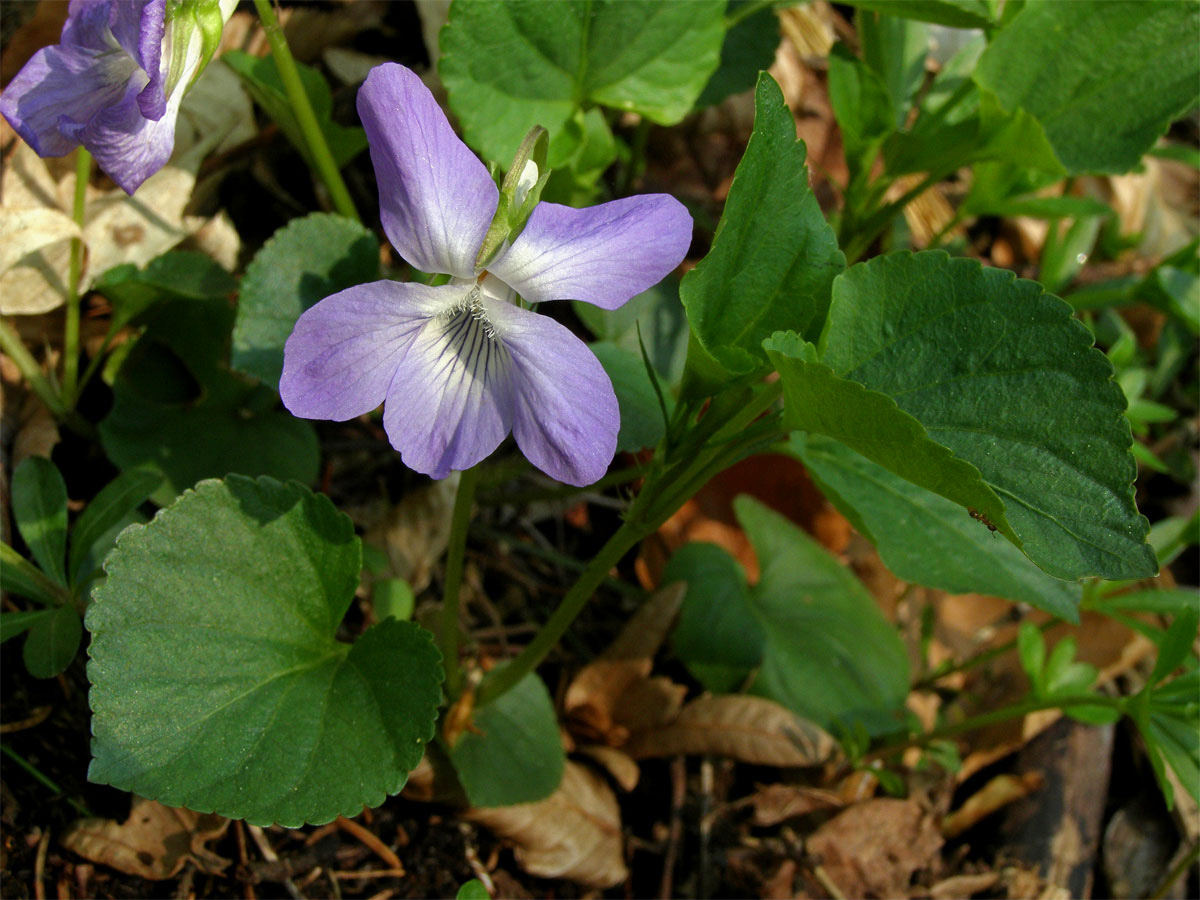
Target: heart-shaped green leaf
(217,681)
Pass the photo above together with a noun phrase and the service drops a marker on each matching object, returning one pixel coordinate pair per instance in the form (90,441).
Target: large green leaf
(654,319)
(261,79)
(303,262)
(178,275)
(217,679)
(177,407)
(1104,78)
(999,372)
(774,259)
(513,753)
(830,656)
(39,505)
(904,521)
(749,48)
(508,66)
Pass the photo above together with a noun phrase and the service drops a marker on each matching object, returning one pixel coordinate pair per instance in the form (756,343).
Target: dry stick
(706,821)
(39,867)
(370,839)
(243,859)
(269,854)
(678,795)
(828,883)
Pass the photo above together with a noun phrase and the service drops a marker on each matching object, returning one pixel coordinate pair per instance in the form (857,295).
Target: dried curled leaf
(751,729)
(154,842)
(574,833)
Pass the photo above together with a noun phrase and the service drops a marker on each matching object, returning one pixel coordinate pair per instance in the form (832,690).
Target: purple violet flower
(114,83)
(461,364)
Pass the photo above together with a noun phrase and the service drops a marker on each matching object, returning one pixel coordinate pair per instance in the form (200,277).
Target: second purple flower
(460,365)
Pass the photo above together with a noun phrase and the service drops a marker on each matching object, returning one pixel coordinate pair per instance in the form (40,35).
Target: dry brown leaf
(777,803)
(154,842)
(751,729)
(24,416)
(996,794)
(617,763)
(575,833)
(415,532)
(959,886)
(873,849)
(645,631)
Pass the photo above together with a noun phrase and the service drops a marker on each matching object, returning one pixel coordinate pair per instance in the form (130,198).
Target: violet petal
(566,418)
(451,402)
(603,254)
(436,198)
(344,351)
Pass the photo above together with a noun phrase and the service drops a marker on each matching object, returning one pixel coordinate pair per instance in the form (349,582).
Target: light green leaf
(955,13)
(178,408)
(830,656)
(998,372)
(39,505)
(217,679)
(53,642)
(862,106)
(507,66)
(1104,78)
(717,636)
(904,521)
(514,754)
(473,890)
(116,500)
(774,257)
(261,79)
(1031,650)
(1176,645)
(393,597)
(21,577)
(303,262)
(642,423)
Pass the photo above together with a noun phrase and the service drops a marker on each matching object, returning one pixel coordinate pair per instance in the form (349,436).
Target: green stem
(41,778)
(879,220)
(1016,710)
(305,117)
(83,172)
(459,520)
(974,662)
(500,680)
(561,491)
(11,344)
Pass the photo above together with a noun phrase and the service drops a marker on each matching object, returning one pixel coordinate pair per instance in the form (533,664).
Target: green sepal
(512,211)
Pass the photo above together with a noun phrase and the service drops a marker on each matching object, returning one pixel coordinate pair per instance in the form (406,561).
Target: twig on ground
(370,839)
(678,795)
(39,866)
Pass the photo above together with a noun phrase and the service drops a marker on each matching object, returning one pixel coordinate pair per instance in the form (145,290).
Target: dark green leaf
(303,262)
(830,655)
(749,48)
(39,505)
(774,258)
(642,423)
(955,13)
(116,500)
(862,106)
(895,48)
(717,636)
(508,65)
(178,408)
(656,315)
(998,372)
(1105,78)
(53,642)
(1169,602)
(514,754)
(262,82)
(904,521)
(1177,645)
(178,275)
(217,679)
(14,623)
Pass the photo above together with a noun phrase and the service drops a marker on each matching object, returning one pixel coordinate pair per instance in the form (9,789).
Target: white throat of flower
(473,303)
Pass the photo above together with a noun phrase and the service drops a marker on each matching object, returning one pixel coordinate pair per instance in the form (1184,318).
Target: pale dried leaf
(575,833)
(217,239)
(777,803)
(963,886)
(996,794)
(624,771)
(415,532)
(750,729)
(593,695)
(645,631)
(154,842)
(872,849)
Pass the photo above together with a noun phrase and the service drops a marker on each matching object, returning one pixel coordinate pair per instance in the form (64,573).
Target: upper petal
(344,351)
(436,198)
(603,254)
(451,402)
(566,418)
